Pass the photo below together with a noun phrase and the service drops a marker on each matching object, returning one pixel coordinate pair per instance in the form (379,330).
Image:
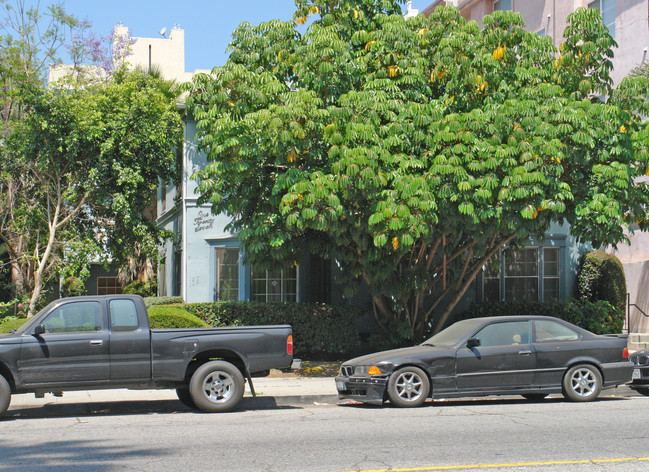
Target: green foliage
(72,287)
(318,330)
(153,301)
(172,316)
(599,317)
(85,158)
(10,323)
(411,151)
(601,277)
(144,289)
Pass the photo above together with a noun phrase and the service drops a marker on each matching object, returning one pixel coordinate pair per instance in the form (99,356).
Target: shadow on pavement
(71,456)
(62,410)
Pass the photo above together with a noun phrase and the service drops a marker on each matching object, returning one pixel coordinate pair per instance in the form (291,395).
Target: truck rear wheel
(5,395)
(216,386)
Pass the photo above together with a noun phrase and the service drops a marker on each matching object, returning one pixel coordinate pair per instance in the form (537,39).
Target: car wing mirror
(472,342)
(39,329)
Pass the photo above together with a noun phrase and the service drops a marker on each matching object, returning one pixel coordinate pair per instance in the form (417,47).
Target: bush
(171,316)
(599,317)
(601,277)
(319,331)
(143,289)
(10,323)
(152,301)
(72,287)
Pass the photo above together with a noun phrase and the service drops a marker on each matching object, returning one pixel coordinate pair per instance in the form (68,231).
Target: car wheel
(408,387)
(5,395)
(582,383)
(185,397)
(535,396)
(216,386)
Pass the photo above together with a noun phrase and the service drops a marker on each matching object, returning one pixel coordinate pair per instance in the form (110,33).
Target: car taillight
(289,344)
(625,353)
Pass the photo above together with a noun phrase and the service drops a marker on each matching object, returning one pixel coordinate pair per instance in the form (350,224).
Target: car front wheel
(408,387)
(216,386)
(5,394)
(582,383)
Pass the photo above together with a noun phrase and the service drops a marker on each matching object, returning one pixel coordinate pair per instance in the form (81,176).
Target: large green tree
(92,158)
(411,151)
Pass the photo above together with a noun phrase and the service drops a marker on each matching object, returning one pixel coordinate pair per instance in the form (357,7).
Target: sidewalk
(271,393)
(282,392)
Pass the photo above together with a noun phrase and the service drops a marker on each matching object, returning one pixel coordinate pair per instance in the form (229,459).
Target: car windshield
(454,334)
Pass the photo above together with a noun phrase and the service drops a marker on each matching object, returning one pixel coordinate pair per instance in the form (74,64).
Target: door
(555,345)
(73,348)
(505,359)
(130,343)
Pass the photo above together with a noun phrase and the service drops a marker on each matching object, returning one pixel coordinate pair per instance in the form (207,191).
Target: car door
(73,348)
(555,345)
(505,358)
(130,342)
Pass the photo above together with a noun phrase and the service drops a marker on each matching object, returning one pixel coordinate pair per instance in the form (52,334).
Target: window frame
(102,290)
(284,278)
(219,254)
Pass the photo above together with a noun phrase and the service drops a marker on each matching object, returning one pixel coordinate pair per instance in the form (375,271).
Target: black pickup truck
(96,342)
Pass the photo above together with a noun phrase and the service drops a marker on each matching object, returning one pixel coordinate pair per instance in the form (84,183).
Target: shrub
(10,323)
(143,289)
(599,317)
(152,301)
(171,316)
(72,287)
(319,331)
(601,277)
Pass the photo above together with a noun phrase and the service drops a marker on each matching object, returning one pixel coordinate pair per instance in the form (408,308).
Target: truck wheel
(216,386)
(185,397)
(5,395)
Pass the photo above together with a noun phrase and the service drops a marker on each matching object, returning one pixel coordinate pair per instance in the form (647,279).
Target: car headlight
(367,370)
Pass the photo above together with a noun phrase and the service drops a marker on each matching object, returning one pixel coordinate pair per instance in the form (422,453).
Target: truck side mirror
(473,342)
(39,329)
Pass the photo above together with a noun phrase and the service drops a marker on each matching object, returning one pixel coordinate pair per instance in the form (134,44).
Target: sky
(208,24)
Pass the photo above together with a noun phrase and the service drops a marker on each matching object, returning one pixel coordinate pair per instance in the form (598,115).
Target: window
(274,285)
(74,317)
(504,334)
(108,286)
(123,315)
(227,273)
(551,331)
(523,274)
(607,10)
(502,5)
(550,273)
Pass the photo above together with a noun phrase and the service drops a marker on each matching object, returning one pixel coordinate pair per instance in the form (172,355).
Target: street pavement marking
(494,466)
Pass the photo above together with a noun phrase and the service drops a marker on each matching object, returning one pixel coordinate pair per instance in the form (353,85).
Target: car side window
(504,334)
(123,315)
(551,331)
(73,318)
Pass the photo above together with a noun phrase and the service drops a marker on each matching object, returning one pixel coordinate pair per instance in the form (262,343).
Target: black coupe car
(532,356)
(640,382)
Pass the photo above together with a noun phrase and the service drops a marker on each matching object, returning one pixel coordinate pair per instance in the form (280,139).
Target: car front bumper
(640,377)
(363,389)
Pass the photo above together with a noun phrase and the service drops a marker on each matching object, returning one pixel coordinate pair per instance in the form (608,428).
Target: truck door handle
(524,353)
(96,342)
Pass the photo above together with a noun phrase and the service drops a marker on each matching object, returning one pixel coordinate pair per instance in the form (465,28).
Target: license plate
(341,386)
(636,374)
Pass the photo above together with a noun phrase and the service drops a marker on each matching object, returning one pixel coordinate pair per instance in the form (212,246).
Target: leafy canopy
(411,151)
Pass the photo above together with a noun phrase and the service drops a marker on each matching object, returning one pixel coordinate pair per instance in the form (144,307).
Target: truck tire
(5,395)
(216,386)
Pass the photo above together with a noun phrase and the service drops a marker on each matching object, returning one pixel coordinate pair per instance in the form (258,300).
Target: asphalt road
(496,435)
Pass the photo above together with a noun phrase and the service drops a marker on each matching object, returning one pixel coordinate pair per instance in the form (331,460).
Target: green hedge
(171,316)
(144,289)
(601,277)
(10,323)
(152,301)
(319,331)
(599,317)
